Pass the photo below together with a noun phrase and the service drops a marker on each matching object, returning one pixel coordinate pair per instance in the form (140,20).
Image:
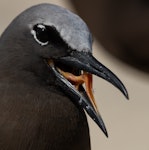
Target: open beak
(72,84)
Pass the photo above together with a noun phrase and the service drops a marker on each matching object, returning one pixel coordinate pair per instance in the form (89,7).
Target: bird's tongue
(86,79)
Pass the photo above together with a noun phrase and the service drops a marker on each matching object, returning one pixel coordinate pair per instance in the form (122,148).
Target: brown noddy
(46,67)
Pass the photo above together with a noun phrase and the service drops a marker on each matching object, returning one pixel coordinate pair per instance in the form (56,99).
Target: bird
(46,69)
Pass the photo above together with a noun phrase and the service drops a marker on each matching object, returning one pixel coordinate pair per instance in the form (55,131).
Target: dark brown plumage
(42,55)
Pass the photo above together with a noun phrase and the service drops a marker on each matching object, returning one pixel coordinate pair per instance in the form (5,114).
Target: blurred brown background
(121,42)
(122,27)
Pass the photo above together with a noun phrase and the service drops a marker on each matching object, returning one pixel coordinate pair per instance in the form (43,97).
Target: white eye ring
(33,32)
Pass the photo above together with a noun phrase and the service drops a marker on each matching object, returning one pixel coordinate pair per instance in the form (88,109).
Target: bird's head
(62,42)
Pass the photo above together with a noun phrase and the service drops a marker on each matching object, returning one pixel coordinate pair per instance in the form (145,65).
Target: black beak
(86,62)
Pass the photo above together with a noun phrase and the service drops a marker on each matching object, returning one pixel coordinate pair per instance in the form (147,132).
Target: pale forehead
(71,27)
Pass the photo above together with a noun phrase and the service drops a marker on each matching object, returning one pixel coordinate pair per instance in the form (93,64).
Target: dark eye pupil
(41,33)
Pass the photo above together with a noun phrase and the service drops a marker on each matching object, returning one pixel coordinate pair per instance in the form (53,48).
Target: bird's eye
(40,33)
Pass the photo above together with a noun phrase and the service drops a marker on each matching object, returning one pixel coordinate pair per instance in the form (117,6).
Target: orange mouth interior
(85,78)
